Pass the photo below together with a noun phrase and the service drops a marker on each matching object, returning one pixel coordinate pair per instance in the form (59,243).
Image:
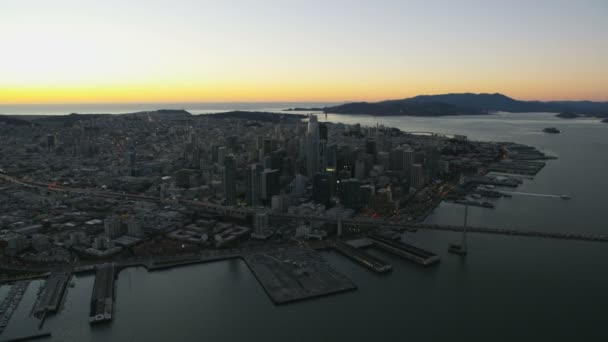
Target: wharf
(476,203)
(529,168)
(35,336)
(102,299)
(53,293)
(363,258)
(11,302)
(482,180)
(296,273)
(412,253)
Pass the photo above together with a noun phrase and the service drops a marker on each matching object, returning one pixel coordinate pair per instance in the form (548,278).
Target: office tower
(134,227)
(230,179)
(360,169)
(254,184)
(130,162)
(260,226)
(279,203)
(332,157)
(312,147)
(349,192)
(408,162)
(371,148)
(323,131)
(431,160)
(397,159)
(267,147)
(270,183)
(322,156)
(222,152)
(111,227)
(276,159)
(299,185)
(417,177)
(321,188)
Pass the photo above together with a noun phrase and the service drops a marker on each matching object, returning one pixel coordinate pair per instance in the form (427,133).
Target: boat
(551,130)
(566,197)
(457,248)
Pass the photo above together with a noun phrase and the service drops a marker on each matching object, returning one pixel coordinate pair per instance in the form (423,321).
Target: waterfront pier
(363,258)
(296,273)
(404,250)
(102,299)
(52,295)
(11,302)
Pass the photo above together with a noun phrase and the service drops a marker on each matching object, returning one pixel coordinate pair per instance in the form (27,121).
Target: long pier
(380,224)
(363,258)
(404,250)
(11,302)
(102,299)
(53,293)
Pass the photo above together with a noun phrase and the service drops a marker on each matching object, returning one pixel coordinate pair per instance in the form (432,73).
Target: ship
(551,130)
(566,197)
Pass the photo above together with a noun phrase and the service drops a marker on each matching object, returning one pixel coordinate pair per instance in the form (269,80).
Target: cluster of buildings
(268,163)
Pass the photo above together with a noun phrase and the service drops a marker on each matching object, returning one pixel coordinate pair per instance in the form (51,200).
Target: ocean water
(505,289)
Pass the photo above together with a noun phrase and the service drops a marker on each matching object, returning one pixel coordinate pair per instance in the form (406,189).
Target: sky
(84,51)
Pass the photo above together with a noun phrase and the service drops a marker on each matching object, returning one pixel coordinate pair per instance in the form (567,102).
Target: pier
(404,250)
(363,258)
(102,299)
(11,302)
(54,290)
(296,273)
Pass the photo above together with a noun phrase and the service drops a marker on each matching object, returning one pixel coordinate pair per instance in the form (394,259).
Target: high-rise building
(254,184)
(360,169)
(299,185)
(371,148)
(267,147)
(431,160)
(332,157)
(270,183)
(312,147)
(134,227)
(230,179)
(112,227)
(408,162)
(418,180)
(349,193)
(321,188)
(397,159)
(222,152)
(260,226)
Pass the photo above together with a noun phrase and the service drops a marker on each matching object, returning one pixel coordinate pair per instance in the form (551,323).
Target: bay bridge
(243,213)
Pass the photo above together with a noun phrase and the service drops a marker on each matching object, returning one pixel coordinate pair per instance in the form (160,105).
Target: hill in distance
(466,104)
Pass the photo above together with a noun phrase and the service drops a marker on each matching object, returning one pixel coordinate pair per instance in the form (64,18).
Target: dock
(363,258)
(296,273)
(52,295)
(102,299)
(35,336)
(11,302)
(404,250)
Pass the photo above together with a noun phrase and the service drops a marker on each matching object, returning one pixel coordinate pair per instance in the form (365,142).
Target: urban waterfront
(503,287)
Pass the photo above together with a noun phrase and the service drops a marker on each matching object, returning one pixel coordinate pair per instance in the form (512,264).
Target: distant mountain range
(466,104)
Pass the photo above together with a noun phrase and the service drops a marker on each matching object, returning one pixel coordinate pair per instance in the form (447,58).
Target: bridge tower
(461,249)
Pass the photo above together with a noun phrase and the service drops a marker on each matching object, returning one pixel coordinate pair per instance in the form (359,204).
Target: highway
(375,223)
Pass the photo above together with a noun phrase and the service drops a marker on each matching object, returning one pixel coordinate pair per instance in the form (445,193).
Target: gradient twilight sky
(82,51)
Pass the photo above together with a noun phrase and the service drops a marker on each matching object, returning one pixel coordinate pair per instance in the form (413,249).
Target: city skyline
(187,51)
